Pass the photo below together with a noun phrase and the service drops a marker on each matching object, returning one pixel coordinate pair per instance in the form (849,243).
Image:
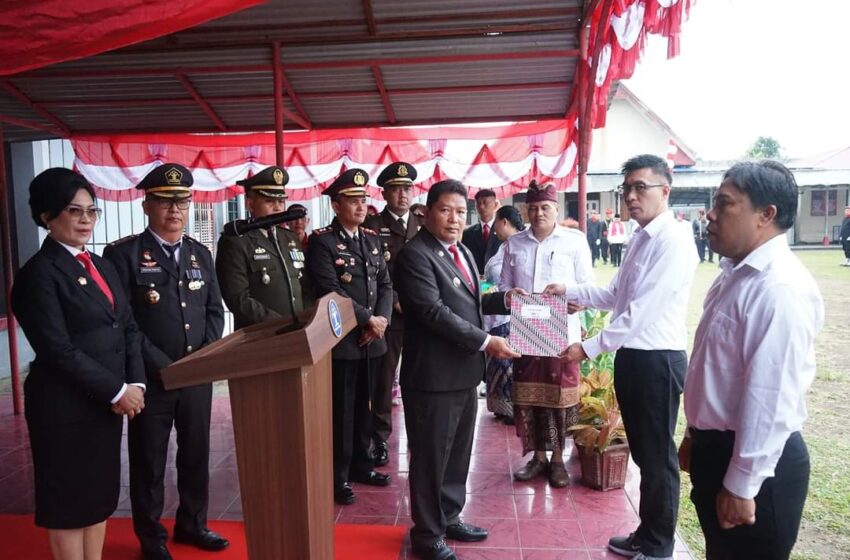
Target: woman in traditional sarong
(498,374)
(545,391)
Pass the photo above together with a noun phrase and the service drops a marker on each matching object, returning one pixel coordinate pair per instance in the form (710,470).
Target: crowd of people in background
(431,298)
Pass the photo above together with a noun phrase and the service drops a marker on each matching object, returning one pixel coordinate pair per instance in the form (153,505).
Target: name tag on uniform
(147,269)
(262,257)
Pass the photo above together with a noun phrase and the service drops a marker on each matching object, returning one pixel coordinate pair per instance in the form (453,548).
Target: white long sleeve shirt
(648,296)
(563,257)
(754,359)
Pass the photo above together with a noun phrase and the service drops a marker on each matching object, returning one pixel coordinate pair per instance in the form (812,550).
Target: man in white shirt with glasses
(648,298)
(753,361)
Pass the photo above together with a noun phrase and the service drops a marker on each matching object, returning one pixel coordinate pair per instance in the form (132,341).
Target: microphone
(239,227)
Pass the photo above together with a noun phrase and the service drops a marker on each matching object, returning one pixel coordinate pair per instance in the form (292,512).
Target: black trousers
(353,383)
(616,253)
(649,385)
(846,244)
(595,250)
(187,410)
(440,427)
(382,406)
(779,503)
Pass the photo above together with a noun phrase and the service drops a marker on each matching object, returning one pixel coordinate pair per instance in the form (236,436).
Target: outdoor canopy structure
(329,74)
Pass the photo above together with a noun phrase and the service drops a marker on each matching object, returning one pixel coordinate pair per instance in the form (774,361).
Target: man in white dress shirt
(753,361)
(649,298)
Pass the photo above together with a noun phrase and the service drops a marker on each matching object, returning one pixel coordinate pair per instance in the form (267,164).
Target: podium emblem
(335,318)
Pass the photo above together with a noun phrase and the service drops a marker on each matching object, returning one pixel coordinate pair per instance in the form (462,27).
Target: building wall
(627,133)
(812,229)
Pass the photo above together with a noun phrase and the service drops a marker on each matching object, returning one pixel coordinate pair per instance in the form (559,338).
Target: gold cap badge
(278,176)
(173,176)
(359,179)
(402,170)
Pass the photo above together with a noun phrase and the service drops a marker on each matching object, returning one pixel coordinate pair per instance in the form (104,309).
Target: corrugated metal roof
(438,60)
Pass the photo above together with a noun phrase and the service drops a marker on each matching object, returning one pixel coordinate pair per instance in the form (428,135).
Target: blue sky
(747,68)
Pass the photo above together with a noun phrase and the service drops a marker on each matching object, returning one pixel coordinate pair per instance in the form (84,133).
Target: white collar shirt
(754,359)
(162,242)
(405,218)
(562,257)
(649,294)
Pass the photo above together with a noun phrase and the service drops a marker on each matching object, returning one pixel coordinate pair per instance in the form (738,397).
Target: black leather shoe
(158,553)
(344,495)
(373,478)
(465,533)
(380,454)
(205,540)
(437,551)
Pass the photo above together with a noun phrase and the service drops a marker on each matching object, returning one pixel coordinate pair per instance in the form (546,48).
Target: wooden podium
(280,396)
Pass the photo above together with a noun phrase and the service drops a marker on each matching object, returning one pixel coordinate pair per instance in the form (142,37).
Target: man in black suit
(480,238)
(396,225)
(595,231)
(442,366)
(170,281)
(346,258)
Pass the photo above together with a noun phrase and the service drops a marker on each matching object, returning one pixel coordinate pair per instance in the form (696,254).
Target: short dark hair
(297,206)
(447,186)
(485,193)
(648,161)
(52,190)
(512,215)
(767,182)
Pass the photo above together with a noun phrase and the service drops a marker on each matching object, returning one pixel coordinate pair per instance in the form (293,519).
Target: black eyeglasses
(165,204)
(639,188)
(77,212)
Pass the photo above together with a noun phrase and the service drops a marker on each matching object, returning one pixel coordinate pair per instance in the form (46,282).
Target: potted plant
(600,436)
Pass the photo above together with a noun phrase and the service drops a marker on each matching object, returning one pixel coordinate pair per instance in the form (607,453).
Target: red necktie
(456,254)
(485,234)
(85,258)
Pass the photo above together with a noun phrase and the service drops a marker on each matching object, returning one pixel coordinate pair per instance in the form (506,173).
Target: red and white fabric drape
(499,157)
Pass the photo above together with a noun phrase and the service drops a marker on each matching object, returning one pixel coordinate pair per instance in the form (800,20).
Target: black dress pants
(779,503)
(382,407)
(649,385)
(440,427)
(353,384)
(616,253)
(188,410)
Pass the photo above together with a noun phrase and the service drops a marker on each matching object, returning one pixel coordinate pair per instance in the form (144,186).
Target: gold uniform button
(187,326)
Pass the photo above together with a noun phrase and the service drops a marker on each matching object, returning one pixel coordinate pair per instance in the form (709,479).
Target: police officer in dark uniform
(347,258)
(171,284)
(396,225)
(262,272)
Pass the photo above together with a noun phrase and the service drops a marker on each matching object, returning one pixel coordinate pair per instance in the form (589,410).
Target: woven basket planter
(607,470)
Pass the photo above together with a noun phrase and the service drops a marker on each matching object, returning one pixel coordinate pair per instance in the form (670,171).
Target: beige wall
(627,133)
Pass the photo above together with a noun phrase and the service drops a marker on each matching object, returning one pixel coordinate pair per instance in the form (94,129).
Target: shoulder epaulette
(125,239)
(323,230)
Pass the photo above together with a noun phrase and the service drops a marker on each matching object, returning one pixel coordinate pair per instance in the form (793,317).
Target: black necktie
(401,223)
(171,251)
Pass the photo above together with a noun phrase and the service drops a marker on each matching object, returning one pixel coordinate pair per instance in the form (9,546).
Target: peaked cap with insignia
(351,183)
(398,173)
(269,182)
(169,180)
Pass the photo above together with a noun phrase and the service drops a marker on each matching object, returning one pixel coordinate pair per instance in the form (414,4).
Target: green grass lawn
(825,532)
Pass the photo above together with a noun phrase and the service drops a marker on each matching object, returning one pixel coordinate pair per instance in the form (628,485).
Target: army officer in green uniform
(261,273)
(346,258)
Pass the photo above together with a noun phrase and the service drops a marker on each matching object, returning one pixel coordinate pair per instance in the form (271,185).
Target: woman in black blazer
(87,371)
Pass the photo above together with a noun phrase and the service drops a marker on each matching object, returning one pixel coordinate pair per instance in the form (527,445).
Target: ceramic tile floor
(527,521)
